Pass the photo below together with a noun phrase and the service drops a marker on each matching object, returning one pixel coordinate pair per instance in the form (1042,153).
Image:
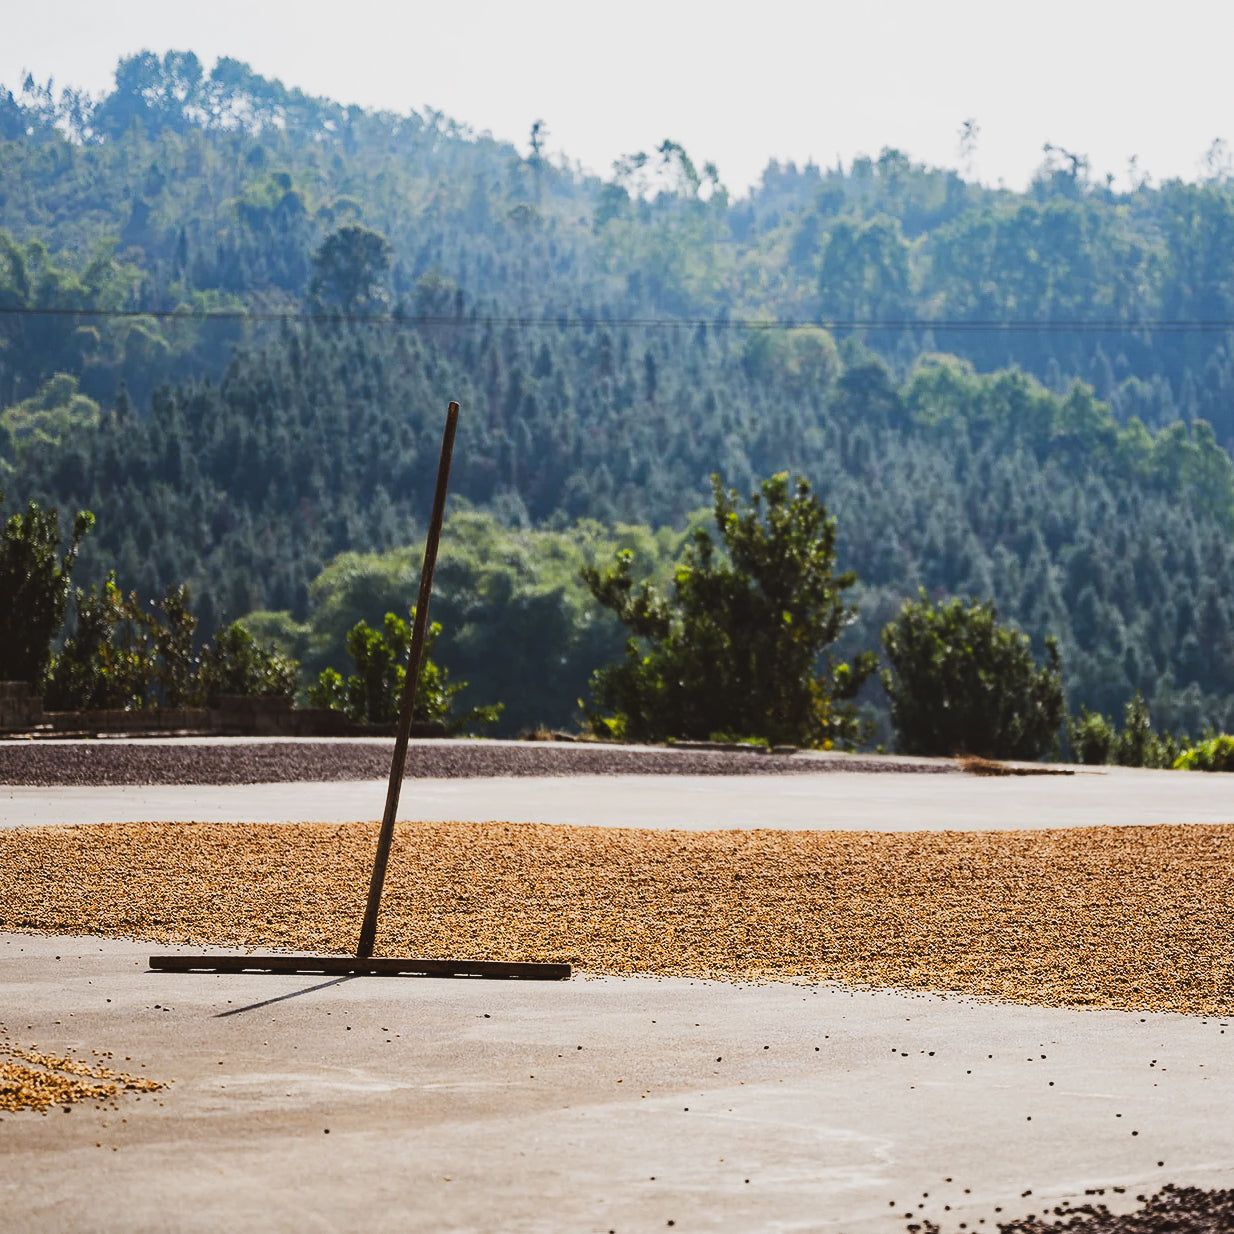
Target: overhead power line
(1146,325)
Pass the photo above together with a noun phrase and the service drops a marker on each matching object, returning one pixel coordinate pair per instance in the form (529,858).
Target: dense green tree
(962,683)
(737,646)
(350,268)
(34,589)
(865,272)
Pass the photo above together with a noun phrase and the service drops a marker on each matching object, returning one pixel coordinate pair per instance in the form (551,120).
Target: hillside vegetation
(1026,397)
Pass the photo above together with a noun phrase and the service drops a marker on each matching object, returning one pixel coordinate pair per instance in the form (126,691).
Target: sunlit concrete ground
(851,800)
(307,1103)
(467,1105)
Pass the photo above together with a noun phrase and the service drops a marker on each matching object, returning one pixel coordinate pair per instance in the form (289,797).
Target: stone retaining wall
(19,709)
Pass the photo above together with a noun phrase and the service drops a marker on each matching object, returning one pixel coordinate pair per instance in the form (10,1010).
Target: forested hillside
(231,316)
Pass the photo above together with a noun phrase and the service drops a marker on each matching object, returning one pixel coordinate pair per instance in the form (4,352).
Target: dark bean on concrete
(112,761)
(1173,1210)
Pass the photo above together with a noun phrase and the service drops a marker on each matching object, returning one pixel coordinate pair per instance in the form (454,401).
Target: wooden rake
(364,963)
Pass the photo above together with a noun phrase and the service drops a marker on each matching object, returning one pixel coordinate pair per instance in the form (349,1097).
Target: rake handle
(368,930)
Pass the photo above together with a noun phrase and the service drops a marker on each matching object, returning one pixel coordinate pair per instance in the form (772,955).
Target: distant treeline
(243,456)
(214,189)
(1113,538)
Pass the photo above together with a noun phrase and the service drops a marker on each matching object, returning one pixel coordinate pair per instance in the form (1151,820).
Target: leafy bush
(961,683)
(107,662)
(1216,754)
(123,654)
(738,645)
(1092,738)
(234,662)
(373,693)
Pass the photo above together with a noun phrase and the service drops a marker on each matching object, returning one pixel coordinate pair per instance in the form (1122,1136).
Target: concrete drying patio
(304,1103)
(858,801)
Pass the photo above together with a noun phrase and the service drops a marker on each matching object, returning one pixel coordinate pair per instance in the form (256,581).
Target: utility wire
(946,325)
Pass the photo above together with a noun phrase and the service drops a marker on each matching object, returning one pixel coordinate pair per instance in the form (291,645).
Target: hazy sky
(736,83)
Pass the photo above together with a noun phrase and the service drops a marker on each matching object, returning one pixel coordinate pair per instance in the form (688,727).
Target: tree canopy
(960,682)
(34,583)
(735,647)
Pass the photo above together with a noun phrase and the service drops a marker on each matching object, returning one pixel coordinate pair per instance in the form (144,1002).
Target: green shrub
(1092,738)
(373,693)
(1138,745)
(741,642)
(123,654)
(1216,754)
(961,683)
(234,662)
(1095,739)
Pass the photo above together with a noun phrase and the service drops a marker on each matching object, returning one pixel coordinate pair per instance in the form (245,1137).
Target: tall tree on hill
(350,270)
(736,648)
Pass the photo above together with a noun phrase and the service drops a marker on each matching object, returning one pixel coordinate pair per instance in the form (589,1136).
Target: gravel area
(1133,918)
(41,763)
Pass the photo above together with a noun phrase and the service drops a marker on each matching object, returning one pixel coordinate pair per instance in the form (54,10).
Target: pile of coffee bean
(1137,918)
